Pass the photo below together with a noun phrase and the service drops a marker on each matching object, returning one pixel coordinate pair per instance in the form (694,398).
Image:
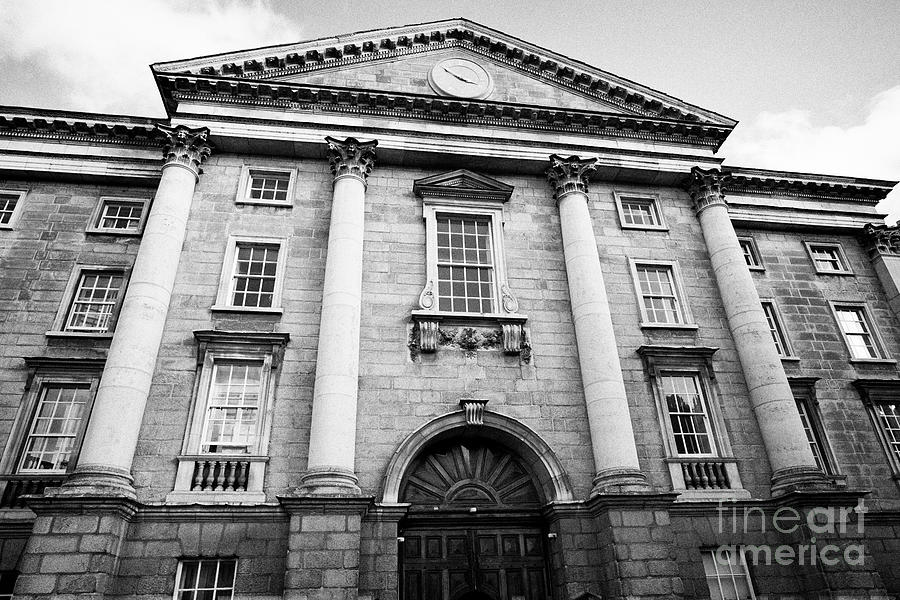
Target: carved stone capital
(351,157)
(705,188)
(567,175)
(882,240)
(185,146)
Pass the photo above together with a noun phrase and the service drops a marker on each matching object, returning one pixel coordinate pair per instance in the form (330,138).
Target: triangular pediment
(462,183)
(400,60)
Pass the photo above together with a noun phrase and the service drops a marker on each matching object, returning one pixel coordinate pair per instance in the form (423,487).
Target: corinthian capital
(185,146)
(882,240)
(569,174)
(705,188)
(351,157)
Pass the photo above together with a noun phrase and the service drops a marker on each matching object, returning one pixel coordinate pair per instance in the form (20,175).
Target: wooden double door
(469,562)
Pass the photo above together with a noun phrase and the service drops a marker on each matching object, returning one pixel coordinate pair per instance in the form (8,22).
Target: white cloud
(791,141)
(98,51)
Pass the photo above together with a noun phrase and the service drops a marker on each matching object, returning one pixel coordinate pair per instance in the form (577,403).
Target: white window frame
(709,417)
(96,223)
(784,339)
(839,252)
(686,319)
(804,391)
(198,423)
(60,372)
(62,315)
(179,591)
(656,209)
(248,171)
(754,253)
(226,281)
(876,393)
(431,211)
(740,563)
(869,320)
(17,211)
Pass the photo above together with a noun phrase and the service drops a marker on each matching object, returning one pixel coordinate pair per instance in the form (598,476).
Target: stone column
(793,465)
(612,436)
(332,436)
(883,245)
(104,464)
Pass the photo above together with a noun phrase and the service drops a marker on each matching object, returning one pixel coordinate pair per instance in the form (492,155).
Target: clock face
(460,77)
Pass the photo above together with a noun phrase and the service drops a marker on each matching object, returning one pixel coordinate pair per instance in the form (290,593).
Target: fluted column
(104,464)
(609,420)
(332,436)
(792,461)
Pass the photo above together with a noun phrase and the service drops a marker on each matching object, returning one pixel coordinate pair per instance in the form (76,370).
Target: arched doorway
(473,530)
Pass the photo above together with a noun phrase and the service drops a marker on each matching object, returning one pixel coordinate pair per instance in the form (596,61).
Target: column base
(801,478)
(620,481)
(98,480)
(328,481)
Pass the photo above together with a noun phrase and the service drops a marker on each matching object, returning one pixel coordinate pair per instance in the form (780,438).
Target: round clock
(460,77)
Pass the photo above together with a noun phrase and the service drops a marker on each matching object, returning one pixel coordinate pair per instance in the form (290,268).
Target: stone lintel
(298,505)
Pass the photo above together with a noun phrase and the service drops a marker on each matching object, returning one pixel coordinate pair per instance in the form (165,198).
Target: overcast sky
(815,84)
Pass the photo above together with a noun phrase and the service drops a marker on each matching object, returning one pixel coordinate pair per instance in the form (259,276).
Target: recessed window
(639,212)
(465,264)
(252,275)
(688,416)
(858,331)
(782,346)
(810,426)
(829,259)
(231,423)
(205,579)
(727,575)
(55,428)
(751,253)
(888,415)
(94,302)
(10,204)
(659,294)
(124,216)
(266,186)
(7,583)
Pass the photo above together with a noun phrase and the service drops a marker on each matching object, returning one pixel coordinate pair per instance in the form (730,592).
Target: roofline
(797,176)
(460,21)
(6,109)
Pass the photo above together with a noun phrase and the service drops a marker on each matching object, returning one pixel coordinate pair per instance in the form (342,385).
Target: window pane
(775,329)
(232,414)
(889,417)
(269,186)
(465,264)
(750,255)
(96,296)
(206,579)
(811,435)
(687,414)
(125,216)
(827,258)
(54,428)
(658,294)
(856,331)
(7,206)
(639,211)
(255,275)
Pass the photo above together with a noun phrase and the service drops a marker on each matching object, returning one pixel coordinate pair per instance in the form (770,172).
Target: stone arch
(514,435)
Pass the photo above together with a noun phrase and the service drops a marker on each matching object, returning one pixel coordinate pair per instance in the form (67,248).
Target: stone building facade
(434,313)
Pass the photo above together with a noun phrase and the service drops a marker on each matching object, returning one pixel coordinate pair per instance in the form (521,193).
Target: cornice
(76,127)
(330,53)
(305,97)
(804,185)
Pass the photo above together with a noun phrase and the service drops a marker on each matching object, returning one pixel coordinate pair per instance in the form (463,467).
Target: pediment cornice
(389,44)
(462,183)
(305,97)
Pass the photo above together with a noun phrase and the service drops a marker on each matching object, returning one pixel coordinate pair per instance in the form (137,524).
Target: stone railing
(219,478)
(705,475)
(15,486)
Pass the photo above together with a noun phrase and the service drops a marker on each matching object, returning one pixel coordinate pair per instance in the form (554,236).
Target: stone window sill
(790,359)
(758,269)
(873,361)
(245,202)
(80,334)
(646,227)
(686,326)
(116,232)
(843,273)
(275,310)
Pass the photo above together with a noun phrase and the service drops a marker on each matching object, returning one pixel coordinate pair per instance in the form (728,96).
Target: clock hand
(460,77)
